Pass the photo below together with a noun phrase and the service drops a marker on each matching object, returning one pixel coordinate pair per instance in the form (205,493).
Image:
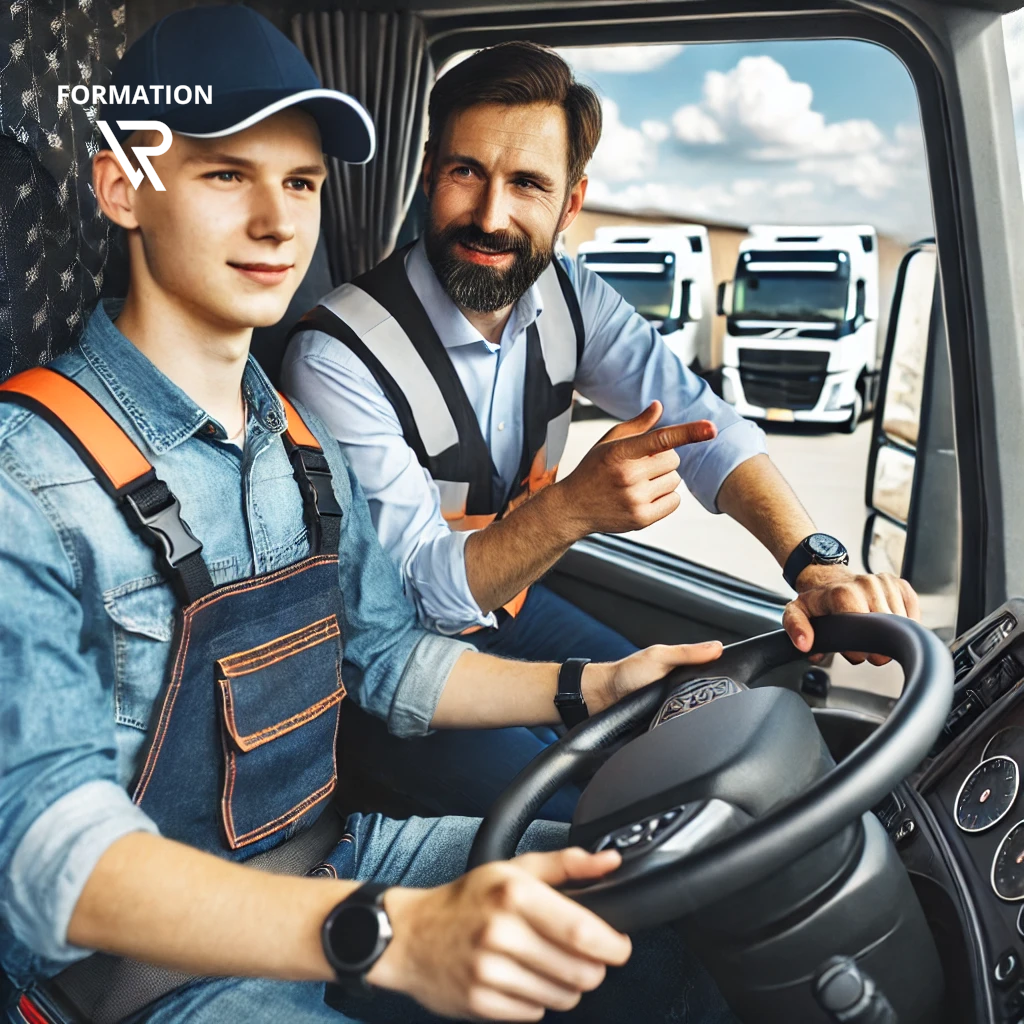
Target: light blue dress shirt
(625,366)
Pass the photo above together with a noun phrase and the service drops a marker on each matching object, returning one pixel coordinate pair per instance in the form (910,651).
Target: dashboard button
(1007,969)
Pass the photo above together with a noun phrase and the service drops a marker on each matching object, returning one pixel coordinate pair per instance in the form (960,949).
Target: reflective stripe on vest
(381,319)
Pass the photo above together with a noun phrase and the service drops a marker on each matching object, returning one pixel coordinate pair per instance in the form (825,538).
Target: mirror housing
(912,473)
(693,308)
(723,298)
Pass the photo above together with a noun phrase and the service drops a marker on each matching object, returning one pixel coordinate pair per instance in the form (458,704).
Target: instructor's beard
(476,287)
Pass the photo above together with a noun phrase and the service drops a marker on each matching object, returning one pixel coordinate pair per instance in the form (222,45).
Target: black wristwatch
(355,934)
(818,549)
(569,699)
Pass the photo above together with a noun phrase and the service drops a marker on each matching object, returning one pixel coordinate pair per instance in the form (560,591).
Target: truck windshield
(790,286)
(648,288)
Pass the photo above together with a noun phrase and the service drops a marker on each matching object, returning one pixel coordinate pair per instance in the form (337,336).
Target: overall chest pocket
(279,705)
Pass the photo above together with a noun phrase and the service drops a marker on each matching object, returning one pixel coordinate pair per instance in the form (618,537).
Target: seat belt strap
(312,473)
(120,468)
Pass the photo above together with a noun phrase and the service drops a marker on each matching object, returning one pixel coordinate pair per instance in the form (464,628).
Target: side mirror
(859,314)
(723,301)
(912,529)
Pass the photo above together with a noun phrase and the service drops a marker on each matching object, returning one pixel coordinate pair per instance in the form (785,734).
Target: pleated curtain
(382,61)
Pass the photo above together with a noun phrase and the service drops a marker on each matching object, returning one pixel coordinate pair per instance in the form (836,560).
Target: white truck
(802,339)
(664,272)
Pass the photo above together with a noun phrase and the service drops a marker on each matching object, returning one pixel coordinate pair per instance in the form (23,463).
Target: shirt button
(501,426)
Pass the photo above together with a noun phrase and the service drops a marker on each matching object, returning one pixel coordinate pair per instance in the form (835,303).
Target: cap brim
(346,130)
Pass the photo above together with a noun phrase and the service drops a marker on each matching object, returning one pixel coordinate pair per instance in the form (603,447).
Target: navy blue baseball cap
(248,68)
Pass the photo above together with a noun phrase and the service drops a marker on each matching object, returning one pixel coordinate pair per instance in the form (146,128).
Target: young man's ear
(114,192)
(574,203)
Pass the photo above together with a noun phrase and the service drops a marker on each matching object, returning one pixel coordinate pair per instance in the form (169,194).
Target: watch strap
(800,557)
(569,699)
(348,980)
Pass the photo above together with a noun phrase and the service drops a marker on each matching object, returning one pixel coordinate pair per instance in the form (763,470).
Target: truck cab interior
(798,819)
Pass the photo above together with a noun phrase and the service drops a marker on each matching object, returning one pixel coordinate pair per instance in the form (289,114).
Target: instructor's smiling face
(499,196)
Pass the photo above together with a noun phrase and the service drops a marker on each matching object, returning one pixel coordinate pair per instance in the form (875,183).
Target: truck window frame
(935,75)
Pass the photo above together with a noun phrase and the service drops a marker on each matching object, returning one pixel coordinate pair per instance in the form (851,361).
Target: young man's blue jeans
(462,771)
(663,981)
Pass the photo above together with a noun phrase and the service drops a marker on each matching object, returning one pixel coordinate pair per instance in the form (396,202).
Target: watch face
(824,546)
(353,935)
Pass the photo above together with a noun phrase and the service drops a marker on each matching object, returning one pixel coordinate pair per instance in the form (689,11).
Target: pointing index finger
(665,438)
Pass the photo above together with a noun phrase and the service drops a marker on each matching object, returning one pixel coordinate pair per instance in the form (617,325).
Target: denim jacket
(86,618)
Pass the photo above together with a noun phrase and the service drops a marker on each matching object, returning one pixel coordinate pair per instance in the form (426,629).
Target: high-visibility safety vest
(381,319)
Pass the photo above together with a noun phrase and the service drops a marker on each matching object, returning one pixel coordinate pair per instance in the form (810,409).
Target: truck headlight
(833,404)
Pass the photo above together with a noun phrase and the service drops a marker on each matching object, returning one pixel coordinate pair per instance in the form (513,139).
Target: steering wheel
(721,781)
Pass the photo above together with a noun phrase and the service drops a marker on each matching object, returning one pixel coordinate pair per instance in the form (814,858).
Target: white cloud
(797,187)
(749,186)
(656,131)
(870,175)
(711,200)
(624,153)
(694,126)
(619,58)
(759,109)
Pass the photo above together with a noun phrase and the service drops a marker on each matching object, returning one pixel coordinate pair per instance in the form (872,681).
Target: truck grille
(780,378)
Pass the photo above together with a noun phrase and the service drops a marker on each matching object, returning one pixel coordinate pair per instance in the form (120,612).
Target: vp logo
(142,153)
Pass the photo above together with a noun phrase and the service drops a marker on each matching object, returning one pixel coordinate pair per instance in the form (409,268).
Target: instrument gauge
(987,794)
(1008,865)
(1007,741)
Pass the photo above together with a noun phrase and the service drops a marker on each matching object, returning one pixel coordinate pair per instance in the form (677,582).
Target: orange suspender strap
(101,444)
(121,470)
(297,432)
(313,475)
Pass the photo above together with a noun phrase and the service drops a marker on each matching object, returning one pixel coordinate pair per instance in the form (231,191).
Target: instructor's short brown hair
(515,74)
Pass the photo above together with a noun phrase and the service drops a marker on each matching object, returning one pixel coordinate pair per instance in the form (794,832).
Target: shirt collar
(451,325)
(161,412)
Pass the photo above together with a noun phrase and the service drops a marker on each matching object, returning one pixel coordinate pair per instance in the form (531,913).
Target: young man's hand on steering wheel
(500,943)
(606,683)
(828,589)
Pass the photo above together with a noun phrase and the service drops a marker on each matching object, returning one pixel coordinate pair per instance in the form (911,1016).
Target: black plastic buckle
(167,526)
(313,475)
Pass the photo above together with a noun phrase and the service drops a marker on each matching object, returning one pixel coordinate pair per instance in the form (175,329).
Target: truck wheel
(855,413)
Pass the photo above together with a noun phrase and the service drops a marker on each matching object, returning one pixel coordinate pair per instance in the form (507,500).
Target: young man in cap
(447,375)
(208,680)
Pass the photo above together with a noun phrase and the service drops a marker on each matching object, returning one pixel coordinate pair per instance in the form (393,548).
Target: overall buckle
(313,476)
(167,526)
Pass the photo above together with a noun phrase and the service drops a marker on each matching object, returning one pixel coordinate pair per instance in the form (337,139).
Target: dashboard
(959,822)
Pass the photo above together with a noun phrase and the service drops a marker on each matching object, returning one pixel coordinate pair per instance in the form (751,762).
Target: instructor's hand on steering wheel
(500,943)
(607,683)
(828,589)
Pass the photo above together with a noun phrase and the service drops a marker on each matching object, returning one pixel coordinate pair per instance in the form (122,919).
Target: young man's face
(234,232)
(499,195)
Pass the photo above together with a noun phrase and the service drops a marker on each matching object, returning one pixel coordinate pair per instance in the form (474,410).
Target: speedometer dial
(1008,865)
(987,794)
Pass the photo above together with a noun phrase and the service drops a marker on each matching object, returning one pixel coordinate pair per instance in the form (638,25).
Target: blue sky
(797,132)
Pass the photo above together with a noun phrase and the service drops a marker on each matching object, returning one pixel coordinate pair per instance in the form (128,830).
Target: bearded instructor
(447,375)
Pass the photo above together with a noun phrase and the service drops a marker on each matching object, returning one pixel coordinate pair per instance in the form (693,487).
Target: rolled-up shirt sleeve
(61,806)
(626,365)
(404,502)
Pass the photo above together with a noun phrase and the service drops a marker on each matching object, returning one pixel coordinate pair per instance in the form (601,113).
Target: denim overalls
(240,750)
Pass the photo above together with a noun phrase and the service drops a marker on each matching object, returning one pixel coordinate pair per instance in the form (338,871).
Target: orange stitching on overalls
(187,616)
(282,728)
(283,820)
(282,647)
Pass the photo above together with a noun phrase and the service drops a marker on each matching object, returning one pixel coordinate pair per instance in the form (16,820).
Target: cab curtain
(382,61)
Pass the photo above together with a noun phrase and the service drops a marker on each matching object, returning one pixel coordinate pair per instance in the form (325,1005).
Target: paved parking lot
(827,470)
